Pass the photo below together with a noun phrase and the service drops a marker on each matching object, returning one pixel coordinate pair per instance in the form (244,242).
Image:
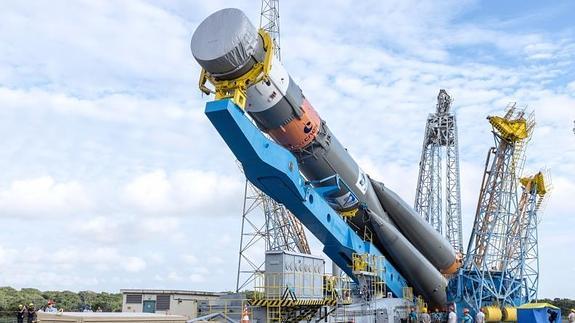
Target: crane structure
(270,22)
(279,230)
(439,165)
(535,190)
(494,270)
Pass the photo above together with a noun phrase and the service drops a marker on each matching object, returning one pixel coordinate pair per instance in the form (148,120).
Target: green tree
(564,304)
(10,298)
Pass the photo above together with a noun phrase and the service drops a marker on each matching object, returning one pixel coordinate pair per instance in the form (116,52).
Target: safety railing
(236,309)
(408,293)
(370,269)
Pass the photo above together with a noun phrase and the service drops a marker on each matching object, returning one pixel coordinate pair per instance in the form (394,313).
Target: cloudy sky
(113,178)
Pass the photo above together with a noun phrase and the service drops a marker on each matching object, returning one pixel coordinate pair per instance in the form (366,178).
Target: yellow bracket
(512,130)
(349,214)
(537,180)
(236,88)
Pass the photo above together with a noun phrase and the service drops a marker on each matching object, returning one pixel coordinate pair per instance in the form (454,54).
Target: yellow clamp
(236,88)
(349,214)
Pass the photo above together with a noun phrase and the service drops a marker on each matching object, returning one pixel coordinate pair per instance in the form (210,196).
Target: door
(149,306)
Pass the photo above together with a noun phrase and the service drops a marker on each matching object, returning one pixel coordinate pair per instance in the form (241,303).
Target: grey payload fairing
(228,46)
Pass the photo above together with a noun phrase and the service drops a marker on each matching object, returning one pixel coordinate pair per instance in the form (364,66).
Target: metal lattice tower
(266,224)
(441,207)
(270,22)
(524,226)
(494,269)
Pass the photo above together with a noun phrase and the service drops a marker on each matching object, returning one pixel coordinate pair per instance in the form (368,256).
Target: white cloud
(134,264)
(194,192)
(109,107)
(105,120)
(197,278)
(73,58)
(190,259)
(43,196)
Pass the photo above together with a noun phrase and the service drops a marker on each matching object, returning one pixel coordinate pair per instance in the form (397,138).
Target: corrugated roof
(170,291)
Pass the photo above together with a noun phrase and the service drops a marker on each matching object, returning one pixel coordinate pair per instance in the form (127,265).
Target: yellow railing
(231,308)
(372,269)
(408,293)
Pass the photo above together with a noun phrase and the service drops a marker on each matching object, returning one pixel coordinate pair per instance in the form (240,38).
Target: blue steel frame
(274,170)
(495,276)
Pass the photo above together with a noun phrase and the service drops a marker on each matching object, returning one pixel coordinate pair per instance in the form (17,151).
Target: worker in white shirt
(452,316)
(571,316)
(480,316)
(425,317)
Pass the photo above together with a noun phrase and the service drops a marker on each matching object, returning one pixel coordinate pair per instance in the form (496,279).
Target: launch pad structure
(390,251)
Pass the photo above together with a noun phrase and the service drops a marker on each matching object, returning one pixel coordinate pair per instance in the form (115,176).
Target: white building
(173,302)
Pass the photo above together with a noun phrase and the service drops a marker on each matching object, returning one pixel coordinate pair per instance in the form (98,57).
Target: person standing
(31,313)
(20,313)
(425,317)
(571,316)
(436,316)
(480,317)
(552,316)
(51,308)
(452,316)
(466,316)
(412,316)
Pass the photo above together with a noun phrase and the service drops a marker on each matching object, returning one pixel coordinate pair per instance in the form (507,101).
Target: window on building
(162,302)
(134,299)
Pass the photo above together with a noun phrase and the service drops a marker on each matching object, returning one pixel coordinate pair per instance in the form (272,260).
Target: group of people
(439,317)
(30,312)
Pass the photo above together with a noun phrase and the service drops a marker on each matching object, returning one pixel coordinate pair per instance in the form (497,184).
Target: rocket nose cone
(224,41)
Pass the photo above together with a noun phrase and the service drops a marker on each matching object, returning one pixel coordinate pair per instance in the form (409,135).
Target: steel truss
(441,207)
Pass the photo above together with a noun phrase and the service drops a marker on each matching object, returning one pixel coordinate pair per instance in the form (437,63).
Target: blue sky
(113,178)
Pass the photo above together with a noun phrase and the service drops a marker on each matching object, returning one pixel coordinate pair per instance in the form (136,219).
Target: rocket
(227,46)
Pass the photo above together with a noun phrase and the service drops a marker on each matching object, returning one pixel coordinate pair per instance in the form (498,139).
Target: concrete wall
(180,304)
(79,317)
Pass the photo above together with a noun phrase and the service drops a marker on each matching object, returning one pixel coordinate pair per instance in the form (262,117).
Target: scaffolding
(368,269)
(266,225)
(492,274)
(311,292)
(535,190)
(441,206)
(270,22)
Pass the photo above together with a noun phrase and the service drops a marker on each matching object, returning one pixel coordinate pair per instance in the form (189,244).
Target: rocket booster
(228,46)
